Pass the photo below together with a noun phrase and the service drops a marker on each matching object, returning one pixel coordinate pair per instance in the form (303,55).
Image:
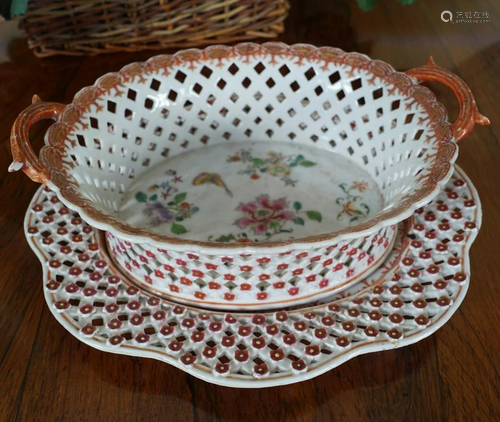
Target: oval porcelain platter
(417,289)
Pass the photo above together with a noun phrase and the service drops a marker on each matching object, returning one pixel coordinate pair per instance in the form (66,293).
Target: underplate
(419,287)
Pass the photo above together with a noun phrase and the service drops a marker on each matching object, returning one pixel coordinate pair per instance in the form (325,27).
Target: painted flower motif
(169,192)
(272,330)
(394,333)
(228,341)
(266,217)
(300,326)
(159,316)
(349,209)
(244,330)
(277,355)
(188,323)
(312,350)
(179,310)
(275,164)
(245,155)
(53,285)
(371,331)
(158,214)
(260,370)
(172,212)
(197,336)
(230,319)
(310,315)
(88,330)
(175,346)
(222,368)
(289,339)
(215,326)
(114,279)
(375,315)
(258,343)
(281,316)
(327,321)
(396,318)
(320,333)
(111,292)
(136,319)
(360,186)
(278,169)
(264,214)
(422,320)
(259,319)
(342,341)
(352,206)
(116,340)
(334,307)
(241,355)
(262,296)
(210,352)
(87,229)
(299,366)
(132,291)
(188,359)
(142,338)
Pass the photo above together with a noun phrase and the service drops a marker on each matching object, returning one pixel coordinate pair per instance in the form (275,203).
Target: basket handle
(23,155)
(469,116)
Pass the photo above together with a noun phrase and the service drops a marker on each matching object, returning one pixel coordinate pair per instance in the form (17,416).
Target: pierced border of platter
(266,349)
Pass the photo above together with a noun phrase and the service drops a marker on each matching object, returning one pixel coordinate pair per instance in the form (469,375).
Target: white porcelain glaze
(380,121)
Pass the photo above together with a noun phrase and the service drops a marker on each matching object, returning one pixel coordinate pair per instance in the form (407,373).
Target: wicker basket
(93,27)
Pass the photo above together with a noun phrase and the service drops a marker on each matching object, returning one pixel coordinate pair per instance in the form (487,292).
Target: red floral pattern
(262,347)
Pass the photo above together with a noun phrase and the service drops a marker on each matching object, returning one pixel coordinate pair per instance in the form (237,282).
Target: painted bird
(213,178)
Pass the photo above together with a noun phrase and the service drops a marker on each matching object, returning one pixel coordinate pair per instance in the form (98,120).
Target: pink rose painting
(263,215)
(265,218)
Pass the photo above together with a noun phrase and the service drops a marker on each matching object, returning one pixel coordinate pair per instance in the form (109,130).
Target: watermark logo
(465,17)
(447,16)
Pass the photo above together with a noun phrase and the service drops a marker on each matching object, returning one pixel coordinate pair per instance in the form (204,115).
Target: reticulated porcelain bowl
(253,151)
(251,281)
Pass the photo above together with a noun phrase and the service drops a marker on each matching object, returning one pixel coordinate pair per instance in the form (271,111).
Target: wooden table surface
(47,374)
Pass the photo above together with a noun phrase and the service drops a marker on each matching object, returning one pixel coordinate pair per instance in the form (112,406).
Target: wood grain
(46,374)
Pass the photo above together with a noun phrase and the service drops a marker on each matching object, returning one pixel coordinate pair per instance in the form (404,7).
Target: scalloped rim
(133,234)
